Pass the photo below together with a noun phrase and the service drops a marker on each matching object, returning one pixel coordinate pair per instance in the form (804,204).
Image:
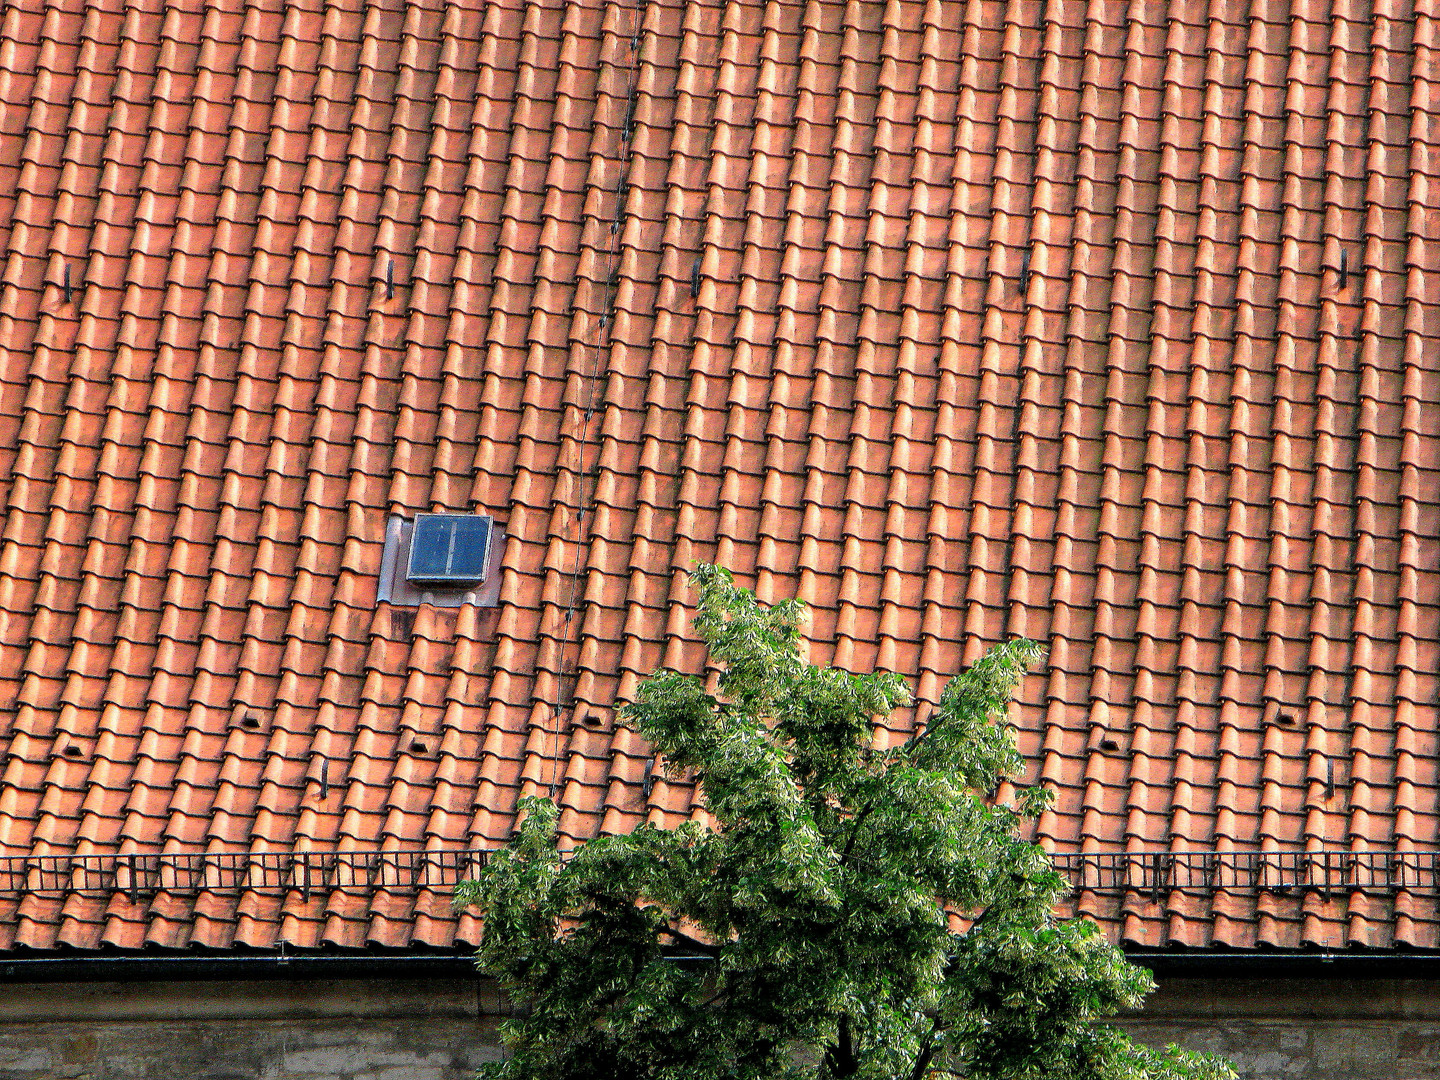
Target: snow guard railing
(1154,874)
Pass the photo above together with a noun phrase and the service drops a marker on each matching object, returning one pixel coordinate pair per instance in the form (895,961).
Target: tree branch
(855,830)
(864,812)
(910,745)
(840,1059)
(927,1051)
(709,950)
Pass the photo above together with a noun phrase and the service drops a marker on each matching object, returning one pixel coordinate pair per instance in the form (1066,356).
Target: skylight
(449,549)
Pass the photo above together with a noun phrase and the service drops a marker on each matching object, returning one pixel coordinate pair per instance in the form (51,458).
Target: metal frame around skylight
(477,562)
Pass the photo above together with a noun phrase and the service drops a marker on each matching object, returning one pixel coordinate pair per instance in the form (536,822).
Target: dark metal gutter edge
(130,968)
(1270,965)
(102,967)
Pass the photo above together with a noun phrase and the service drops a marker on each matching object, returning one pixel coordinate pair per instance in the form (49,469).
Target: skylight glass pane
(472,538)
(430,547)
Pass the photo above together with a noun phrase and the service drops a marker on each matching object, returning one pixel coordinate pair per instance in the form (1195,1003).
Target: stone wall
(272,1030)
(443,1028)
(1302,1029)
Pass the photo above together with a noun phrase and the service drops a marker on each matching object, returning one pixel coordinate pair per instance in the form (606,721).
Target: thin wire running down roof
(1112,324)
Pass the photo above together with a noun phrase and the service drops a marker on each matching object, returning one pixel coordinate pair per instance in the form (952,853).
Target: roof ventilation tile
(592,720)
(248,718)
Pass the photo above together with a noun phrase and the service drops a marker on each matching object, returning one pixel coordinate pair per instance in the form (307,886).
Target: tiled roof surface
(1109,323)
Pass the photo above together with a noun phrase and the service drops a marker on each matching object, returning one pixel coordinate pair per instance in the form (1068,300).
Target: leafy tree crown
(853,911)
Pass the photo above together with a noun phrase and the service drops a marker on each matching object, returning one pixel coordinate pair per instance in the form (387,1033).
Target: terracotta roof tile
(1101,322)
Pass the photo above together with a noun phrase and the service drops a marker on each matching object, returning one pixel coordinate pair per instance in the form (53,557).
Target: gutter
(123,967)
(113,967)
(1287,964)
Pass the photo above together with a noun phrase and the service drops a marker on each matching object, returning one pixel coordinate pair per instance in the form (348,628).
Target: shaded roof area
(1108,323)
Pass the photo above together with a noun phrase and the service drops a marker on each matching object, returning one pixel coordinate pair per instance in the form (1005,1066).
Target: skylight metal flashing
(457,561)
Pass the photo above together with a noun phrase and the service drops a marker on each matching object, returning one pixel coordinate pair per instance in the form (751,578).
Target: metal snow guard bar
(235,872)
(1326,871)
(408,871)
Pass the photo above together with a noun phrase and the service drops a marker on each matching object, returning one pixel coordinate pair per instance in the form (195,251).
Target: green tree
(853,912)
